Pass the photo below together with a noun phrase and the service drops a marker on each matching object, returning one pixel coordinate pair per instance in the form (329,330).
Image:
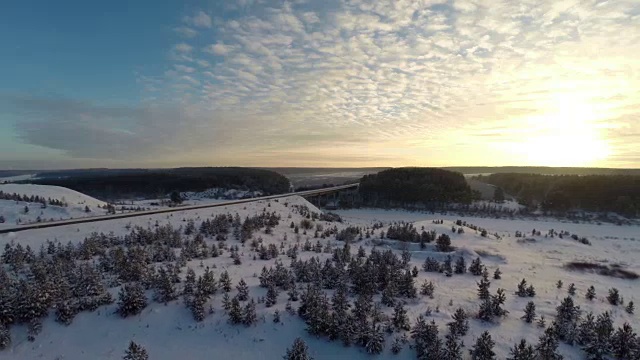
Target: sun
(568,134)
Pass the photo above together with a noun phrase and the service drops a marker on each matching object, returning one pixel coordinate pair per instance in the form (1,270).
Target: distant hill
(152,183)
(560,193)
(543,170)
(413,185)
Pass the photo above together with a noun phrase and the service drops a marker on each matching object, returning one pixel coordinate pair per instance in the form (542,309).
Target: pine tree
(559,284)
(567,316)
(591,293)
(572,289)
(293,293)
(249,316)
(396,347)
(483,289)
(613,297)
(276,317)
(427,288)
(452,349)
(461,266)
(460,325)
(529,312)
(522,288)
(65,313)
(600,345)
(624,343)
(131,300)
(5,336)
(443,243)
(298,351)
(135,352)
(235,311)
(497,275)
(197,306)
(375,340)
(630,308)
(165,288)
(547,347)
(522,351)
(243,290)
(541,322)
(483,348)
(272,296)
(225,281)
(189,283)
(400,319)
(586,329)
(476,267)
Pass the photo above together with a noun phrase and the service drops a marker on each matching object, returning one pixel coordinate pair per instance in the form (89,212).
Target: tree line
(563,193)
(401,187)
(159,183)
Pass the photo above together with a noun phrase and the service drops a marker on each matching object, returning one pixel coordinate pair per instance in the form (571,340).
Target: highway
(42,225)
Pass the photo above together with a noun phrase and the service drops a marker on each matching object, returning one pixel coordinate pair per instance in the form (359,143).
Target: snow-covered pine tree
(591,293)
(529,312)
(235,311)
(483,288)
(165,289)
(522,351)
(135,352)
(600,345)
(131,300)
(452,349)
(483,348)
(225,281)
(396,347)
(243,290)
(624,343)
(272,296)
(547,347)
(522,288)
(630,308)
(65,313)
(497,275)
(427,288)
(460,325)
(5,336)
(586,329)
(299,351)
(400,319)
(249,316)
(559,284)
(276,317)
(567,317)
(189,284)
(461,266)
(375,340)
(476,267)
(613,297)
(571,289)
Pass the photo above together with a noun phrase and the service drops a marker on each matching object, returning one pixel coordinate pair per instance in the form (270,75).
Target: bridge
(42,225)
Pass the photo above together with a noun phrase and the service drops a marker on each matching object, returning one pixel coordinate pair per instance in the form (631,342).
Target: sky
(337,83)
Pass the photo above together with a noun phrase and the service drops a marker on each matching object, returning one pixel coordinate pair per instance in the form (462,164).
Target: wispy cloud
(397,80)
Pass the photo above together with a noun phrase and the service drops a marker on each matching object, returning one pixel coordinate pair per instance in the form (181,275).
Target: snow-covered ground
(14,211)
(169,331)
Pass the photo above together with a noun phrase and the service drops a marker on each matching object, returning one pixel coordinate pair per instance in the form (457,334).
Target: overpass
(42,225)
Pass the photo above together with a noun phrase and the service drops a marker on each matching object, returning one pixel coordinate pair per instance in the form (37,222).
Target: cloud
(219,49)
(200,19)
(183,48)
(396,80)
(185,31)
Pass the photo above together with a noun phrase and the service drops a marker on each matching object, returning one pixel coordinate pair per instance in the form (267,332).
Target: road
(42,225)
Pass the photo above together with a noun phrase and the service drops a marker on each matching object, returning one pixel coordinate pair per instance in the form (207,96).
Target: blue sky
(310,83)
